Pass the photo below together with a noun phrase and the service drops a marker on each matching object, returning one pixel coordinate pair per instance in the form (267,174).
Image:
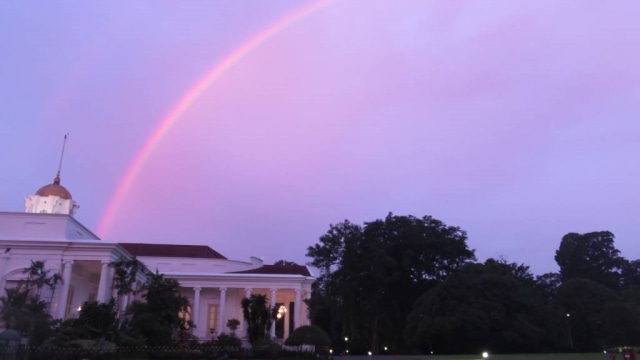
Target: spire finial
(57,178)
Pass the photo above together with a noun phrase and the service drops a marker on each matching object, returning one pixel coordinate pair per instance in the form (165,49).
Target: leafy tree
(23,308)
(621,323)
(38,278)
(494,306)
(258,316)
(584,301)
(96,321)
(157,319)
(631,274)
(371,275)
(600,291)
(548,285)
(325,311)
(590,256)
(125,278)
(631,284)
(598,317)
(285,263)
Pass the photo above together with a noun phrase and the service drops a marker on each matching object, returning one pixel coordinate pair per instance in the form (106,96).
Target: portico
(214,305)
(216,297)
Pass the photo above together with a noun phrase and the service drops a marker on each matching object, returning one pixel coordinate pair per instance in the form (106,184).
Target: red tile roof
(279,270)
(170,250)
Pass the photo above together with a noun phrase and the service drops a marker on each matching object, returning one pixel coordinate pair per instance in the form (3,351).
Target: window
(213,320)
(185,316)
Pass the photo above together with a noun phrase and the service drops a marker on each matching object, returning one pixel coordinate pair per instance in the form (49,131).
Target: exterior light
(346,338)
(568,315)
(330,351)
(281,311)
(369,353)
(79,308)
(485,355)
(385,348)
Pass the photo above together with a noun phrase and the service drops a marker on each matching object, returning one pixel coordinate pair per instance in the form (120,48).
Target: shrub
(265,349)
(229,345)
(308,335)
(233,324)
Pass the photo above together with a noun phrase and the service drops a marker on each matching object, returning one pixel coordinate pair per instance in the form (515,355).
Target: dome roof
(54,189)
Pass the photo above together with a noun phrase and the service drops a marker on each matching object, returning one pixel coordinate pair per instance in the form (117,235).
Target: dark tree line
(404,284)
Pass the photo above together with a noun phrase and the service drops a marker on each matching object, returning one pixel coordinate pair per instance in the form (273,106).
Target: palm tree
(258,316)
(125,278)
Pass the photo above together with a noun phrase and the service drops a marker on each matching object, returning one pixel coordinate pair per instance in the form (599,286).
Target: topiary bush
(308,335)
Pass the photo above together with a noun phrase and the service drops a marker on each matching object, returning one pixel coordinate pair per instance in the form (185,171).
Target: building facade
(214,285)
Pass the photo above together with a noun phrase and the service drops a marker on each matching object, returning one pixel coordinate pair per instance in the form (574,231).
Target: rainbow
(189,98)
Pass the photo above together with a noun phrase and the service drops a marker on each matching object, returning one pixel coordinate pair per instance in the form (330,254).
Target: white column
(272,304)
(221,311)
(195,314)
(102,285)
(286,320)
(298,306)
(247,294)
(66,282)
(3,269)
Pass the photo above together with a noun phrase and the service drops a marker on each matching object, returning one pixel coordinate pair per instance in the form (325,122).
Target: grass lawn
(590,356)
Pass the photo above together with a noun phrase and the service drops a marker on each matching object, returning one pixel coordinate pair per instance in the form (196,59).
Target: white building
(215,285)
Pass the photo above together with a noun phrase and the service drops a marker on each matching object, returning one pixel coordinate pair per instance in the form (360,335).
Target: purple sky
(517,121)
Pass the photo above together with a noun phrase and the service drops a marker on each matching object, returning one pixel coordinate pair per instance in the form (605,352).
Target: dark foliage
(371,275)
(258,316)
(265,349)
(96,321)
(484,306)
(590,256)
(308,335)
(157,320)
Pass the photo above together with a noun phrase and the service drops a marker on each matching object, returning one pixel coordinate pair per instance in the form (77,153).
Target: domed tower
(53,198)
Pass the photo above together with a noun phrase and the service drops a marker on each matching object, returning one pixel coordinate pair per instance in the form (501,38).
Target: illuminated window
(213,320)
(185,316)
